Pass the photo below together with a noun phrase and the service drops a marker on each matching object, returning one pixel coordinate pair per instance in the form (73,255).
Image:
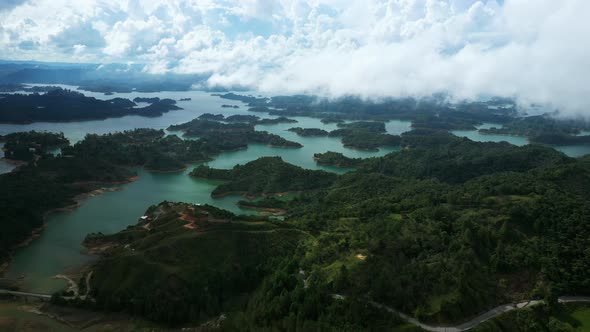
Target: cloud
(532,50)
(9,4)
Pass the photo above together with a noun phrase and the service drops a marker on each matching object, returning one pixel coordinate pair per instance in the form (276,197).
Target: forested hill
(439,155)
(61,105)
(442,243)
(267,175)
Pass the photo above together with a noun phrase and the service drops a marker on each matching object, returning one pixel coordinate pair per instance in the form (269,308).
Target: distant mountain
(96,77)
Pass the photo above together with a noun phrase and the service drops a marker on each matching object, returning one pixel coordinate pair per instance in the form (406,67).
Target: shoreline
(318,162)
(270,211)
(166,172)
(245,194)
(92,119)
(35,233)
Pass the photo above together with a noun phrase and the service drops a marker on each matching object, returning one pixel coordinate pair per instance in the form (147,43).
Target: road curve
(492,313)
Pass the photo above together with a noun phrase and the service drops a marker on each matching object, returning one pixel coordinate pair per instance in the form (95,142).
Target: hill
(265,176)
(186,262)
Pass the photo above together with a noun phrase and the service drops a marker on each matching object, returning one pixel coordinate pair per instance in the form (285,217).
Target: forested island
(230,136)
(426,113)
(265,176)
(252,119)
(337,160)
(61,105)
(433,112)
(365,135)
(309,132)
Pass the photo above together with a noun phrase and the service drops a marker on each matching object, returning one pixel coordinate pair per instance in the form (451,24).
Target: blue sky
(535,50)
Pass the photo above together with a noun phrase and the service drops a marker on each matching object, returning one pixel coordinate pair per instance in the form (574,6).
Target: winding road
(492,313)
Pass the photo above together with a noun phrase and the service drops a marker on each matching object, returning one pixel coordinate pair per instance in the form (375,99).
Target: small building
(144,217)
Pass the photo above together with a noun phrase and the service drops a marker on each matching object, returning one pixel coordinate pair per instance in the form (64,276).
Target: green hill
(186,262)
(267,175)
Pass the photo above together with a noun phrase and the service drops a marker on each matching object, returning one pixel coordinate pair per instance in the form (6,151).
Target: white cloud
(533,50)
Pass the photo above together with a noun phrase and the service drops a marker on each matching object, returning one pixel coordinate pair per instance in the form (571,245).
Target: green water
(202,102)
(574,150)
(475,135)
(58,248)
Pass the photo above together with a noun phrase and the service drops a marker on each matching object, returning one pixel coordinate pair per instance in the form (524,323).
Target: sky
(537,51)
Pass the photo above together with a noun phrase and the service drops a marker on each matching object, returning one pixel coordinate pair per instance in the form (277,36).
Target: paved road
(495,312)
(25,294)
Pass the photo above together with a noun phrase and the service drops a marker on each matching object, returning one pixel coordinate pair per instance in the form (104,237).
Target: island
(365,135)
(218,136)
(429,113)
(246,118)
(210,116)
(309,132)
(272,121)
(61,105)
(264,176)
(242,118)
(337,160)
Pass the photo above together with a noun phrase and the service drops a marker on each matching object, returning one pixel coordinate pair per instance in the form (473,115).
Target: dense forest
(264,176)
(442,230)
(199,259)
(49,182)
(255,120)
(435,113)
(337,160)
(309,132)
(27,146)
(59,105)
(220,136)
(28,194)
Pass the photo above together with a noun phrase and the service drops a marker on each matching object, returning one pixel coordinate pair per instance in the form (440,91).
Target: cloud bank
(534,50)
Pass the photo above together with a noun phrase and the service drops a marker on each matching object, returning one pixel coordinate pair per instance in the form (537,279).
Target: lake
(58,248)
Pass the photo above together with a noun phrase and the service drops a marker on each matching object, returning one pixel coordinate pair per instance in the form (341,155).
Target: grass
(577,315)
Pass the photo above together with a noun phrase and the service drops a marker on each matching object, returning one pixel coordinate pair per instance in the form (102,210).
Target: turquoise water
(202,102)
(58,248)
(574,150)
